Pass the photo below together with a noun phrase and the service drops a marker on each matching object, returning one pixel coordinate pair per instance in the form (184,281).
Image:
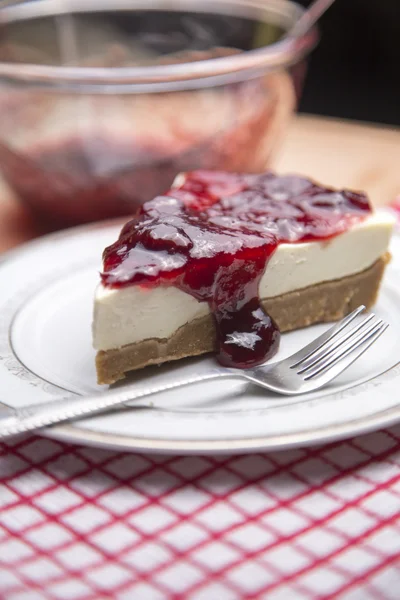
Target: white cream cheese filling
(134,313)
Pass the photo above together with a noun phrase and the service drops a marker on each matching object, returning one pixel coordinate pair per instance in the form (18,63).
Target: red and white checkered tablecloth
(313,523)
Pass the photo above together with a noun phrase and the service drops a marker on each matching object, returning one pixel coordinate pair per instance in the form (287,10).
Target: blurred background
(95,149)
(355,71)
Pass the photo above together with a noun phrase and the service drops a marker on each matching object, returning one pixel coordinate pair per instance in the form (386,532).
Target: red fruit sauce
(81,180)
(212,237)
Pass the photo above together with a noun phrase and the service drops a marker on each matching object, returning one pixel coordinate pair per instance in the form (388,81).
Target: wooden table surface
(341,154)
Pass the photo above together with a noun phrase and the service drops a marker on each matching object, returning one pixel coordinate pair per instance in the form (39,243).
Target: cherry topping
(212,237)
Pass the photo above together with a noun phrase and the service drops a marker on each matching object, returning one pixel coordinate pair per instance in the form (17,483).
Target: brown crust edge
(324,302)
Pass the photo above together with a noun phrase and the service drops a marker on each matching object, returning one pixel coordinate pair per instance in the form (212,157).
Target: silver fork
(309,369)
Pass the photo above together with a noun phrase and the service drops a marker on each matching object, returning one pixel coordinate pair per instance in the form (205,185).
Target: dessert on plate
(224,262)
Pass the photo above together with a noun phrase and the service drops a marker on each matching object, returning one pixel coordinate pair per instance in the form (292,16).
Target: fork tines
(342,344)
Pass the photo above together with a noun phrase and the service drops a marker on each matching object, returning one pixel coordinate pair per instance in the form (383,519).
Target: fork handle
(48,413)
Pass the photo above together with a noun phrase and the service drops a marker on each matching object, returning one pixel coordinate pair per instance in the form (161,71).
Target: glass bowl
(103,103)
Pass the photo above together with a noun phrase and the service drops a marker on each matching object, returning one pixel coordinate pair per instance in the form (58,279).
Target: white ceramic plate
(45,351)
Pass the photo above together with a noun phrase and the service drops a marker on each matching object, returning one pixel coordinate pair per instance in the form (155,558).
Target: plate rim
(83,436)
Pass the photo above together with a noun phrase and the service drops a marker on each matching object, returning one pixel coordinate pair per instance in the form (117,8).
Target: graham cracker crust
(321,303)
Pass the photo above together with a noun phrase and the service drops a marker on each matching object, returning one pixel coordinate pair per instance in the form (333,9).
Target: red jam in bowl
(212,237)
(76,159)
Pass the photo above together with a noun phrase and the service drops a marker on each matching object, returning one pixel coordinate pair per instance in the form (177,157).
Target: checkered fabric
(85,523)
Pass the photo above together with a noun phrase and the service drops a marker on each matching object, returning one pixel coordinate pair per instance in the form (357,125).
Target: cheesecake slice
(225,262)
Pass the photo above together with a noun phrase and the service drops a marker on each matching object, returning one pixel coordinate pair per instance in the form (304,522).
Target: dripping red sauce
(212,237)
